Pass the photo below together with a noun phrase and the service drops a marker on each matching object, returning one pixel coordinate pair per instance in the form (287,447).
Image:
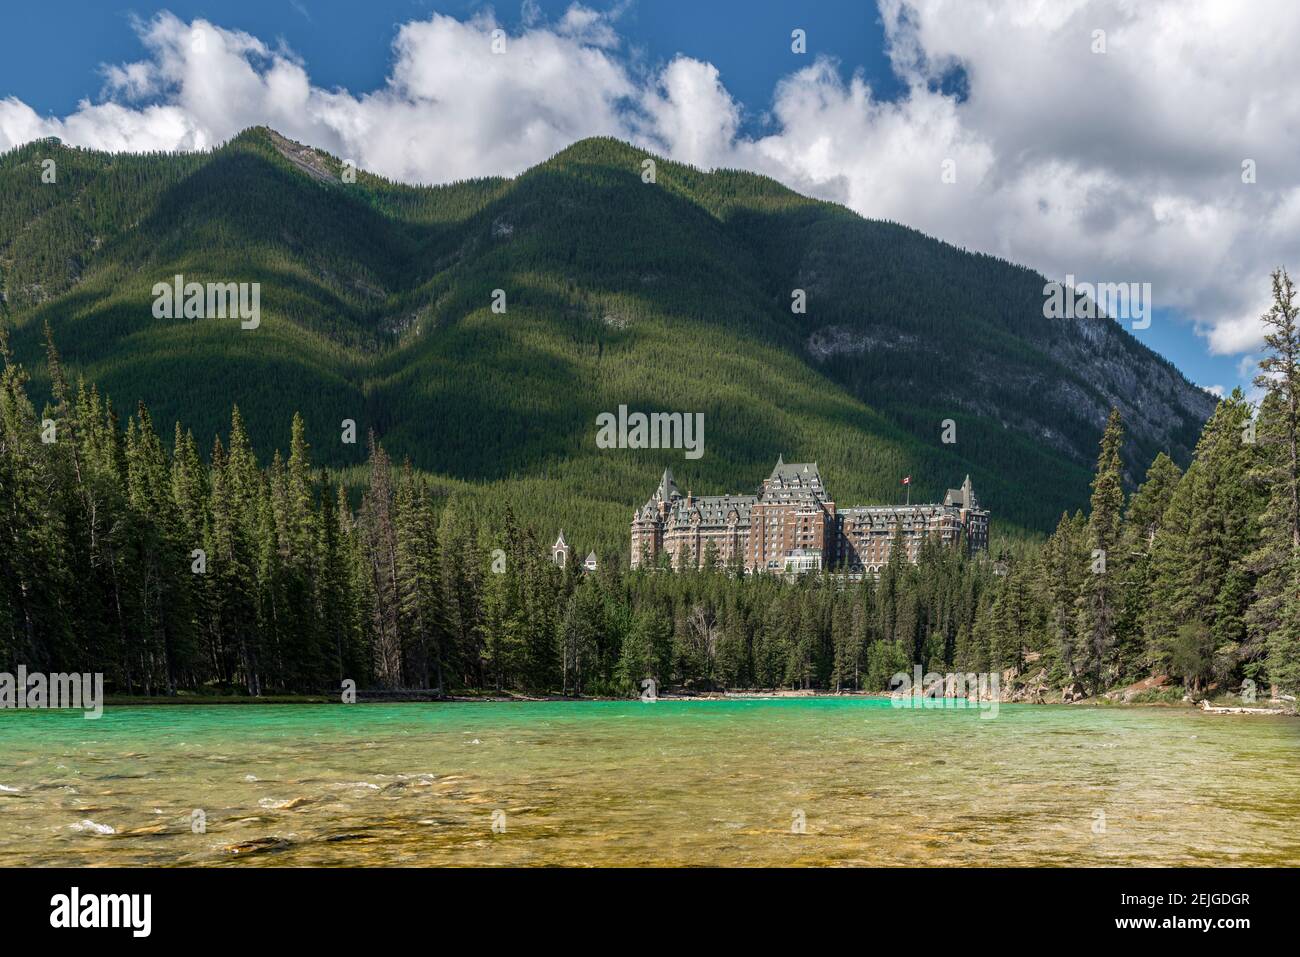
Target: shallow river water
(837,781)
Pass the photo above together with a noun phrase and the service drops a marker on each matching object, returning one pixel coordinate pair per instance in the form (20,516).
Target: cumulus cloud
(690,115)
(453,107)
(1122,165)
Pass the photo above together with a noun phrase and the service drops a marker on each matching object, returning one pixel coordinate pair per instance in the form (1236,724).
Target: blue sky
(52,62)
(1105,206)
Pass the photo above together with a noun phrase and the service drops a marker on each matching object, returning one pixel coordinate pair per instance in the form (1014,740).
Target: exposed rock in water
(289,805)
(89,826)
(257,846)
(146,830)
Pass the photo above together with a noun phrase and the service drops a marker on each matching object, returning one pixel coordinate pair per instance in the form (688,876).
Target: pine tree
(164,636)
(37,622)
(505,630)
(733,653)
(1099,595)
(848,636)
(1274,613)
(542,594)
(230,579)
(642,655)
(379,521)
(578,642)
(460,576)
(333,601)
(356,640)
(1011,617)
(421,617)
(1145,517)
(1199,573)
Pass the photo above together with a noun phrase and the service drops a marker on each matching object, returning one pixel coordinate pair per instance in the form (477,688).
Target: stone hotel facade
(791,525)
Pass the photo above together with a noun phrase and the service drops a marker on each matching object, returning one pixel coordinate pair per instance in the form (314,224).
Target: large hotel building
(791,525)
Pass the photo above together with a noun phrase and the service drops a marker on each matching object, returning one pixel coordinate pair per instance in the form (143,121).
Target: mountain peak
(675,296)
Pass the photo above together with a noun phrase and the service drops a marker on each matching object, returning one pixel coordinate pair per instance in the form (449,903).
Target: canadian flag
(908,480)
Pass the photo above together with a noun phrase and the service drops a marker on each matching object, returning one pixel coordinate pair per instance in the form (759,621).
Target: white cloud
(1117,166)
(451,109)
(587,26)
(690,115)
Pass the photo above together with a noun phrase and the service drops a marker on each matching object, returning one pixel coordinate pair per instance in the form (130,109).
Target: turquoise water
(632,783)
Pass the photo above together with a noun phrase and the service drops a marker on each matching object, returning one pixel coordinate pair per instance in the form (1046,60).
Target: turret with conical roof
(667,490)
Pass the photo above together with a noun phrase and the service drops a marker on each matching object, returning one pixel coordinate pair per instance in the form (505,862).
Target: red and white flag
(908,480)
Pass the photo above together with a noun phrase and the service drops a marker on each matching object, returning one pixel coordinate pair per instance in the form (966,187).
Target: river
(799,781)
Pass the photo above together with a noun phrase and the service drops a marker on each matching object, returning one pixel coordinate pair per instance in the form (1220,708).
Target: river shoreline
(372,697)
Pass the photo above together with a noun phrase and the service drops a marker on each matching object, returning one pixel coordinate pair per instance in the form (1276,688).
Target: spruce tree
(1144,518)
(420,600)
(1274,614)
(1199,571)
(379,521)
(36,580)
(1099,593)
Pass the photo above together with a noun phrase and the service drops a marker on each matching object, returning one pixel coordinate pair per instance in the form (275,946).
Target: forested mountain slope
(667,296)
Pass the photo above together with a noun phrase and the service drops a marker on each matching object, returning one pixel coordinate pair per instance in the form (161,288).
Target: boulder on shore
(1214,709)
(1073,691)
(1126,695)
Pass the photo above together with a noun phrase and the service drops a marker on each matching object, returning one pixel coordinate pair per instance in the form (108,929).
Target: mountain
(376,306)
